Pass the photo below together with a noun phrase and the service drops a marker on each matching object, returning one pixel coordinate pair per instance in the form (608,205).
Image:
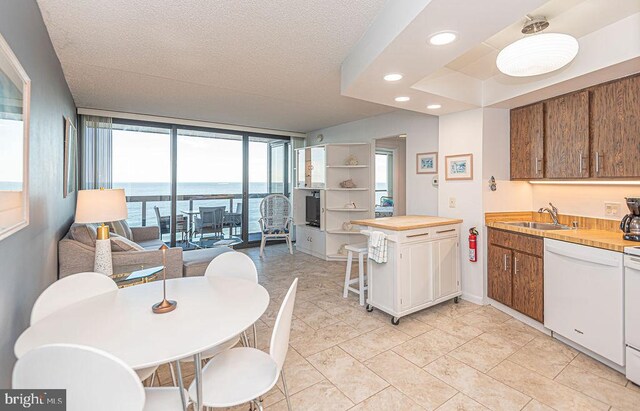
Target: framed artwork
(15,94)
(459,167)
(70,157)
(427,163)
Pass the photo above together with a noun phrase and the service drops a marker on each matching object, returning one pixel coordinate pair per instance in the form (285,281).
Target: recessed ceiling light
(393,77)
(434,106)
(442,38)
(402,99)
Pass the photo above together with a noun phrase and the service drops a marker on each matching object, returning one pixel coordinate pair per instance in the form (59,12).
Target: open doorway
(390,176)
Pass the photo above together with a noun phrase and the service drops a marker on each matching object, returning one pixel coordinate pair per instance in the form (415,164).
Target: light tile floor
(448,357)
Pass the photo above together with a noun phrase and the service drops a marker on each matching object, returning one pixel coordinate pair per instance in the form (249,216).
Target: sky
(11,137)
(145,157)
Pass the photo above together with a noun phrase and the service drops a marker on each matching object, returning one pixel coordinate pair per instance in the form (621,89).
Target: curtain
(96,152)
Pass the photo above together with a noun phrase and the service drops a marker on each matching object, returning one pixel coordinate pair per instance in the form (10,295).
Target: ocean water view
(164,189)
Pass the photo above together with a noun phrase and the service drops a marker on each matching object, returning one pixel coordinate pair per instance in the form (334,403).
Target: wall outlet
(452,202)
(611,208)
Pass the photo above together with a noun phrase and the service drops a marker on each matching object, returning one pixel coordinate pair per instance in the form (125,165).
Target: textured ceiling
(272,64)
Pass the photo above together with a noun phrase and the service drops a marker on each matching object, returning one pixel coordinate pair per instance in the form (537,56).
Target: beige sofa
(76,252)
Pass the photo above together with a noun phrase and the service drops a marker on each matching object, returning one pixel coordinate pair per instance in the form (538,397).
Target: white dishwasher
(632,311)
(584,297)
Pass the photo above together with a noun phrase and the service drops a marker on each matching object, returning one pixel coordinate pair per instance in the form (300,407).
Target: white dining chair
(236,265)
(93,379)
(244,374)
(72,289)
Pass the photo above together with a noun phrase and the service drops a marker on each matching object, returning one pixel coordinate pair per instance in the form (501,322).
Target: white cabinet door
(446,267)
(317,239)
(302,239)
(416,274)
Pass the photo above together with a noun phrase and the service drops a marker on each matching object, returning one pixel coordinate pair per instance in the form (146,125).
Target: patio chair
(233,220)
(275,221)
(164,222)
(210,221)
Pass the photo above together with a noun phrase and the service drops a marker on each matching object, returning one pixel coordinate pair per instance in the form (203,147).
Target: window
(384,175)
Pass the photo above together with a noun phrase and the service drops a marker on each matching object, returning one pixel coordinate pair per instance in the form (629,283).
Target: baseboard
(472,298)
(519,316)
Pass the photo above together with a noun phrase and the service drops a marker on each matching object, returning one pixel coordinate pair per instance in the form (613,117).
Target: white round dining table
(210,311)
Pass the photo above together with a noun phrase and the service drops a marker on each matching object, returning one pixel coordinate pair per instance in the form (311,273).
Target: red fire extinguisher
(473,244)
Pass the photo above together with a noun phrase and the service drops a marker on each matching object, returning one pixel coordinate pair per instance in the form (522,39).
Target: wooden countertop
(407,222)
(609,240)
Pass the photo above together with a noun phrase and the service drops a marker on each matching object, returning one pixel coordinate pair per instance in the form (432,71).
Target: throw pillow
(121,228)
(119,243)
(84,233)
(386,202)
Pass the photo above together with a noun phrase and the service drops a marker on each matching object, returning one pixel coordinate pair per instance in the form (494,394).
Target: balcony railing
(232,199)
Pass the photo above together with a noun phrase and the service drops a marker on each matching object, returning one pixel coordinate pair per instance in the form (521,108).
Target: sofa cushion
(151,244)
(84,233)
(121,228)
(120,243)
(195,262)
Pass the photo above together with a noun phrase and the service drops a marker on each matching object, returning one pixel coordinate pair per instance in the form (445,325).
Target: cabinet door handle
(537,167)
(581,163)
(446,231)
(515,265)
(417,235)
(505,262)
(597,162)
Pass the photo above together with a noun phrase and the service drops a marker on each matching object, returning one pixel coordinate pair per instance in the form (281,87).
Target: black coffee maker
(630,224)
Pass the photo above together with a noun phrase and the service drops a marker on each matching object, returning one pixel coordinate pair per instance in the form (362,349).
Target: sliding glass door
(268,172)
(202,187)
(209,188)
(141,165)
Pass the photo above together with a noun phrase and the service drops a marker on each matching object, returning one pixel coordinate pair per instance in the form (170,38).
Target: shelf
(345,166)
(358,210)
(347,189)
(344,232)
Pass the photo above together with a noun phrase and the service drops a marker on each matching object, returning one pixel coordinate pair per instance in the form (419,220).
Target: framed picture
(459,167)
(427,163)
(70,157)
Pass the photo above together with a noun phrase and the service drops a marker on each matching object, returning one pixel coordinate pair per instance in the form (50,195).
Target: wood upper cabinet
(499,274)
(615,129)
(528,289)
(567,136)
(527,142)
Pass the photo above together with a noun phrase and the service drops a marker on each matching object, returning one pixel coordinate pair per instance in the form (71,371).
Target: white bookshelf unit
(322,172)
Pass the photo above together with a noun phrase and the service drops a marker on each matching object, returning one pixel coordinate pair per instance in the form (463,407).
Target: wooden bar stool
(361,250)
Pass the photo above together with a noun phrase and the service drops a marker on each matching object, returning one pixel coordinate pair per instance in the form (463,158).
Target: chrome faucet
(553,212)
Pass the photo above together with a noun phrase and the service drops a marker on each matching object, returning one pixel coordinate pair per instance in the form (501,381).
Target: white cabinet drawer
(633,365)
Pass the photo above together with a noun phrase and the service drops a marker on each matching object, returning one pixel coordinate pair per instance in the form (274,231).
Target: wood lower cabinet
(528,285)
(567,136)
(615,129)
(527,142)
(515,272)
(499,281)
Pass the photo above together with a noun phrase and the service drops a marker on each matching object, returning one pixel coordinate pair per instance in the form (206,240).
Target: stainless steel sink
(538,226)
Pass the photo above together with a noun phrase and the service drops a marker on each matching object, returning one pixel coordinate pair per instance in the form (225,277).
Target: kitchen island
(423,264)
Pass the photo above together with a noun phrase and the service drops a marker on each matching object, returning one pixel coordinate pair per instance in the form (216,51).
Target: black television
(313,211)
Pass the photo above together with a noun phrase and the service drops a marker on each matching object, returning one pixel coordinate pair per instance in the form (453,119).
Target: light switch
(452,202)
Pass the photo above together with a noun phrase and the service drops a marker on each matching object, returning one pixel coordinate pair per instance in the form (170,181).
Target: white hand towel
(377,247)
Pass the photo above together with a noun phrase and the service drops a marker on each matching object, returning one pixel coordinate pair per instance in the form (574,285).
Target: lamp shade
(537,54)
(99,206)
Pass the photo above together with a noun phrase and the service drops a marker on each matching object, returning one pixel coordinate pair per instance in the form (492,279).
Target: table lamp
(100,206)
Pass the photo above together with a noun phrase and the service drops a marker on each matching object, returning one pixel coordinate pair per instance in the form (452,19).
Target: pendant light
(537,53)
